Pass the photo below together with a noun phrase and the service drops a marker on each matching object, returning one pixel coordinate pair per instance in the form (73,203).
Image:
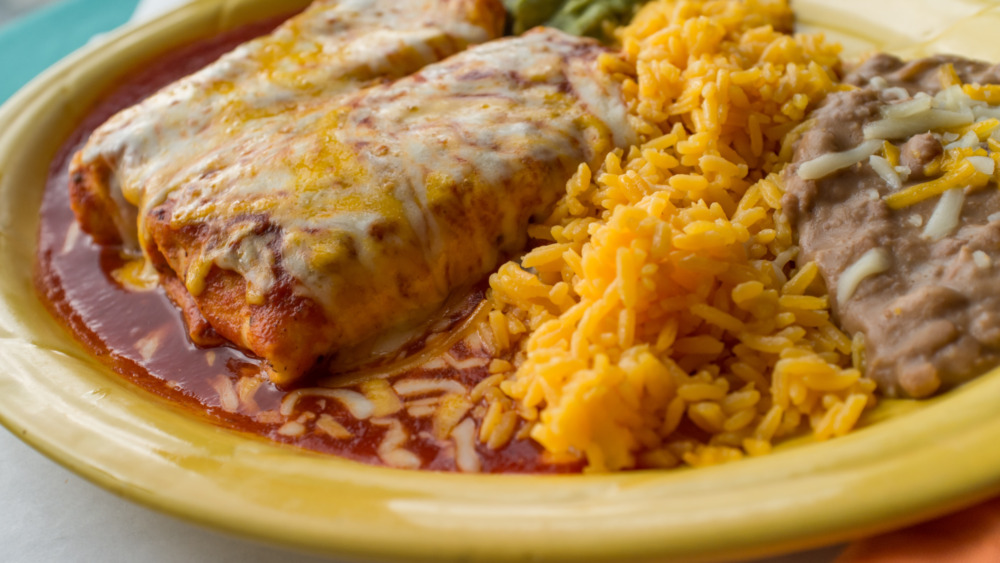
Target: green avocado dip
(595,18)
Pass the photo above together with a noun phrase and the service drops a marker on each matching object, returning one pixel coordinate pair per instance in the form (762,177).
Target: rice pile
(663,319)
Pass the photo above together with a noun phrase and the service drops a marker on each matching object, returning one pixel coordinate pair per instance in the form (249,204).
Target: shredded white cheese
(72,236)
(292,428)
(951,107)
(148,345)
(983,111)
(468,363)
(829,163)
(902,128)
(331,427)
(421,411)
(466,457)
(982,260)
(436,363)
(390,450)
(944,219)
(474,341)
(916,220)
(427,401)
(410,387)
(885,171)
(952,98)
(402,459)
(228,399)
(871,263)
(982,164)
(356,403)
(968,141)
(904,172)
(878,83)
(919,103)
(896,92)
(779,262)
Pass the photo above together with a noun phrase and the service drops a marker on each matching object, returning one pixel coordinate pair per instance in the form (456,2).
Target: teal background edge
(32,43)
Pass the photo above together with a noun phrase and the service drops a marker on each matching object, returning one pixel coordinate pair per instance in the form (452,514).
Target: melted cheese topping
(375,204)
(333,47)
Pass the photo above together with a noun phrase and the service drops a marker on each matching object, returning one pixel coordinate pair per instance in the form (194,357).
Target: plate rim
(161,450)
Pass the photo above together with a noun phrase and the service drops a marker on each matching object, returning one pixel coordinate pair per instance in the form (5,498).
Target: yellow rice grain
(708,416)
(381,394)
(804,302)
(480,389)
(449,413)
(490,421)
(701,392)
(659,459)
(756,447)
(740,400)
(330,426)
(503,431)
(498,366)
(712,455)
(739,420)
(664,295)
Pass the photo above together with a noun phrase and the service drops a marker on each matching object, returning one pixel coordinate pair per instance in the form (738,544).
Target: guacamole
(595,18)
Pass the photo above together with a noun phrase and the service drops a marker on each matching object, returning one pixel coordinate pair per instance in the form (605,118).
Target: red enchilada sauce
(140,334)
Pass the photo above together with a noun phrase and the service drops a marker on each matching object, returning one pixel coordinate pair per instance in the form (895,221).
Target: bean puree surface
(932,319)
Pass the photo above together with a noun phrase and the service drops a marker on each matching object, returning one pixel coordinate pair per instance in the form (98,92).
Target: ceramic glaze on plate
(910,461)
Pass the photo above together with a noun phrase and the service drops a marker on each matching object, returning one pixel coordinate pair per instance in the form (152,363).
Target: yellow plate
(911,462)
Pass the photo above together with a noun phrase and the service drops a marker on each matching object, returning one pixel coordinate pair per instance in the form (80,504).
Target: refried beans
(928,306)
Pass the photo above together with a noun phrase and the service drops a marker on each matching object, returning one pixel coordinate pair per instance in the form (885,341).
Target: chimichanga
(315,229)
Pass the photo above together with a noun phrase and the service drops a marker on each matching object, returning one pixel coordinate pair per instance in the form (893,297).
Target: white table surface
(51,514)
